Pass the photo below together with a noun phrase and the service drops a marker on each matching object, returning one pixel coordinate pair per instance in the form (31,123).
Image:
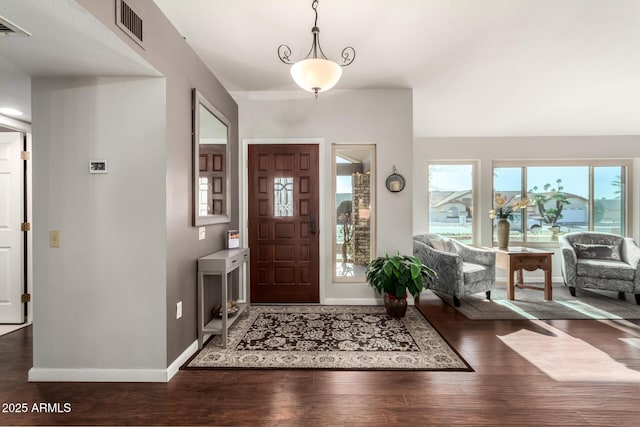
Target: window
(609,201)
(451,200)
(565,197)
(283,196)
(354,211)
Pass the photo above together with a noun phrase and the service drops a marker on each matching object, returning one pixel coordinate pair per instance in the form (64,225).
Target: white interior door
(11,238)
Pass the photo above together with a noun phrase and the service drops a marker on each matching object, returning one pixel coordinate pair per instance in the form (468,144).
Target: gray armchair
(462,269)
(600,261)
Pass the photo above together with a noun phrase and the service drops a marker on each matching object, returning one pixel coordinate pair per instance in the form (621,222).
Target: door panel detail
(262,185)
(283,162)
(304,207)
(304,162)
(5,276)
(263,231)
(263,162)
(264,207)
(284,275)
(285,231)
(304,185)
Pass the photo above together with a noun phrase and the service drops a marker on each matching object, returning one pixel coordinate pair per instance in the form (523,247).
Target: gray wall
(169,53)
(382,117)
(99,297)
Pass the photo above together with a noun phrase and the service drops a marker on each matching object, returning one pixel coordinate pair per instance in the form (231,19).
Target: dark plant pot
(396,307)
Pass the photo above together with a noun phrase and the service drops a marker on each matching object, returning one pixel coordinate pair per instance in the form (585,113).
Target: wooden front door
(283,198)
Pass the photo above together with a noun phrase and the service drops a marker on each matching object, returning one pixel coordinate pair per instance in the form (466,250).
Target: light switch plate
(179,310)
(201,233)
(54,239)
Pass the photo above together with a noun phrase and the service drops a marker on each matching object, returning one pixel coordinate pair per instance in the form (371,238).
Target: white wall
(16,89)
(381,117)
(487,149)
(99,299)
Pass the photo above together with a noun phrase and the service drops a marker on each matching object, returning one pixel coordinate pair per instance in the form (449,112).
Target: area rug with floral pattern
(330,337)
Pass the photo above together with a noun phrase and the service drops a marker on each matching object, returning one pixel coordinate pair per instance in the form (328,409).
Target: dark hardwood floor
(527,373)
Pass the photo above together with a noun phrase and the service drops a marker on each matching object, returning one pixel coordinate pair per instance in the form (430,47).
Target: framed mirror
(210,163)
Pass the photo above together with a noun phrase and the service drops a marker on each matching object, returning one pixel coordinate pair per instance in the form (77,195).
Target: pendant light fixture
(315,73)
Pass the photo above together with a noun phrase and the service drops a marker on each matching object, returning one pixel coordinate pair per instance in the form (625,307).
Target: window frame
(475,188)
(626,178)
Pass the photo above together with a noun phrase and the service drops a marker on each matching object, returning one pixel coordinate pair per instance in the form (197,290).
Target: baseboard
(113,375)
(98,375)
(358,301)
(352,301)
(181,360)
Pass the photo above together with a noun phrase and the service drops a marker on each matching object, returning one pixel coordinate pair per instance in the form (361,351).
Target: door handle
(312,225)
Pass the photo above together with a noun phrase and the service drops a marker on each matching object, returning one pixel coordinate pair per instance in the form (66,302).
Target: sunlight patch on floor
(633,342)
(579,306)
(588,310)
(624,326)
(564,358)
(515,308)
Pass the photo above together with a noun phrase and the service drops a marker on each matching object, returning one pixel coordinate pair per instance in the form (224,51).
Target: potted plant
(395,277)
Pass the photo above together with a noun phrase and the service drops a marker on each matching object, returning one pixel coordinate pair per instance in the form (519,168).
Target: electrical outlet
(201,233)
(54,239)
(179,310)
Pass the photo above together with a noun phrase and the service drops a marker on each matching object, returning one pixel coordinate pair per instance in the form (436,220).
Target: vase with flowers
(504,212)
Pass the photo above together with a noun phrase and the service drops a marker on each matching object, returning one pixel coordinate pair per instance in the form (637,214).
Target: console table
(518,258)
(221,264)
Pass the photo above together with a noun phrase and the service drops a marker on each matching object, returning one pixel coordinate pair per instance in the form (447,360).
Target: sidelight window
(354,211)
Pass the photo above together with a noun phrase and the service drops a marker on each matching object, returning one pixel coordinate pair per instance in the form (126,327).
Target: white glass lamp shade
(316,74)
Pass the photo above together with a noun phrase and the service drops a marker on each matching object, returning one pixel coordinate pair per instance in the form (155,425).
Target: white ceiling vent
(129,22)
(8,28)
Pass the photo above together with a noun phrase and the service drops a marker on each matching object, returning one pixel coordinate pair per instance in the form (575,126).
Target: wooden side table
(516,259)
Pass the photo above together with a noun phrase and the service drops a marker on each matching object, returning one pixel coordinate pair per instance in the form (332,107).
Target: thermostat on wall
(98,166)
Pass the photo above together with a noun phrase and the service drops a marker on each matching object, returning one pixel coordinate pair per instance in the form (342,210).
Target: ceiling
(476,67)
(65,41)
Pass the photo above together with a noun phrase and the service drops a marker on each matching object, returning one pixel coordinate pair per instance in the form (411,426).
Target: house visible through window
(565,197)
(451,201)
